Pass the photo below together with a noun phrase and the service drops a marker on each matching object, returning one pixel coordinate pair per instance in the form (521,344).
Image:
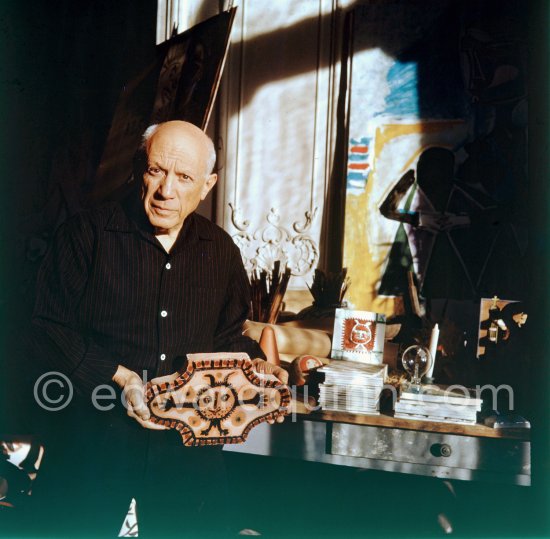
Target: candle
(433,349)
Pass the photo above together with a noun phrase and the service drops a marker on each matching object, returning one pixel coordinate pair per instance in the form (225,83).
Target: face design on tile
(359,334)
(216,401)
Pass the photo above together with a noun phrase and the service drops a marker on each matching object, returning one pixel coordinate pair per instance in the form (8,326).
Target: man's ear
(208,184)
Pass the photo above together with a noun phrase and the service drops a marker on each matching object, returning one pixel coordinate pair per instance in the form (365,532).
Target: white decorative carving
(263,247)
(236,218)
(310,216)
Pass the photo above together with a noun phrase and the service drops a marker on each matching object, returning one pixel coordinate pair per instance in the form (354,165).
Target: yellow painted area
(365,262)
(363,271)
(390,131)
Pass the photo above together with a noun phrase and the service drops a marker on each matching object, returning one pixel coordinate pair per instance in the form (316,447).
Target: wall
(277,132)
(63,66)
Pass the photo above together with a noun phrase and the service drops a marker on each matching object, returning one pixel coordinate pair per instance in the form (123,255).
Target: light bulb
(416,361)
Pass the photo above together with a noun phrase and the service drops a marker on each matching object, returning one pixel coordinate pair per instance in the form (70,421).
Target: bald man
(125,292)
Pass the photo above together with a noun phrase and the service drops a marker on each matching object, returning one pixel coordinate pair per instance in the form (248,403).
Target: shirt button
(162,357)
(168,265)
(164,314)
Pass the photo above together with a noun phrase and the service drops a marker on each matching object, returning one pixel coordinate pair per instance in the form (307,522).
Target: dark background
(63,66)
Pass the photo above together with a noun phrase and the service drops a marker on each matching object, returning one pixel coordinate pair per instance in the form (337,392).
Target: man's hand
(134,394)
(263,367)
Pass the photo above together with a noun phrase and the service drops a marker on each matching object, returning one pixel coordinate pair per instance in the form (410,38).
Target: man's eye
(185,178)
(154,171)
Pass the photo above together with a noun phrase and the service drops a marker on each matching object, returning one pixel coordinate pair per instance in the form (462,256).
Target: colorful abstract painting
(436,179)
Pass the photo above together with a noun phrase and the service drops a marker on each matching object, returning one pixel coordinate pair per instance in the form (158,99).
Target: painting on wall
(181,84)
(436,170)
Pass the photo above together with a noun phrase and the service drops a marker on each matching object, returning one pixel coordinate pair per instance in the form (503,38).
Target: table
(442,450)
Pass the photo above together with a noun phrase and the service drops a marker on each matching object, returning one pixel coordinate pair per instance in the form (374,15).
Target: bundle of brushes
(268,290)
(328,289)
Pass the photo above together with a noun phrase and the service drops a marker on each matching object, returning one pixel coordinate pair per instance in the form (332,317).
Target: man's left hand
(263,367)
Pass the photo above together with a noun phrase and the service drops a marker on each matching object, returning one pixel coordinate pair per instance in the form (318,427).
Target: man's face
(176,178)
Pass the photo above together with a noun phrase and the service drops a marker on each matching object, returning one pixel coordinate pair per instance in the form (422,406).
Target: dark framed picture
(180,84)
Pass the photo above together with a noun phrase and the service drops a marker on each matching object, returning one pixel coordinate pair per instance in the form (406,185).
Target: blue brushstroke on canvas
(402,100)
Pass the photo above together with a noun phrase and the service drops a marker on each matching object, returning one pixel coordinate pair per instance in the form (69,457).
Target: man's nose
(166,187)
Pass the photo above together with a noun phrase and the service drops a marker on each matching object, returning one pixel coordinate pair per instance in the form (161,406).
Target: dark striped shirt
(109,294)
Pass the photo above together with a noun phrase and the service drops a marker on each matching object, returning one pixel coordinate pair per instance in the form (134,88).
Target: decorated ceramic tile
(217,400)
(301,367)
(358,336)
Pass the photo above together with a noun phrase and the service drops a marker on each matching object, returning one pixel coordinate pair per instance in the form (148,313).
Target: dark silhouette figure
(446,230)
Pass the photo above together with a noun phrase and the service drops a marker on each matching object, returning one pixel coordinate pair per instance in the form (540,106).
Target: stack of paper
(352,387)
(437,403)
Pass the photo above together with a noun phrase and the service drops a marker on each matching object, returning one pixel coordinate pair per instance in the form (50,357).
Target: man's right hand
(134,394)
